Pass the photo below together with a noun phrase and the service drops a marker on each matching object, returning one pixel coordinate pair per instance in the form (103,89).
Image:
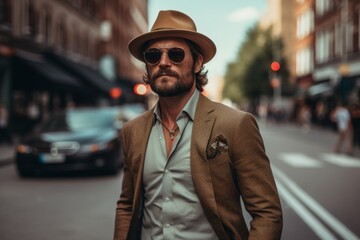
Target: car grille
(66,148)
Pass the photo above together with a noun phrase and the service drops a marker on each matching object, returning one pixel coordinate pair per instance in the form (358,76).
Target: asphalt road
(318,189)
(57,208)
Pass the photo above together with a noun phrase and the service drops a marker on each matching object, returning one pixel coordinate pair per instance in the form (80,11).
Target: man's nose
(164,60)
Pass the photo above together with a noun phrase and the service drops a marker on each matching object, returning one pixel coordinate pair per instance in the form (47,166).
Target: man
(188,160)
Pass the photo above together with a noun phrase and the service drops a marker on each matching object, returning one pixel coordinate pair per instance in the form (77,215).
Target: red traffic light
(275,66)
(115,92)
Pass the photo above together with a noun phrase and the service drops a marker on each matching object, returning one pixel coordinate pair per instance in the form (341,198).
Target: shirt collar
(189,108)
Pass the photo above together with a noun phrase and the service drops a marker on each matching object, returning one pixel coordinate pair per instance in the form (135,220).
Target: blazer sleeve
(256,181)
(125,203)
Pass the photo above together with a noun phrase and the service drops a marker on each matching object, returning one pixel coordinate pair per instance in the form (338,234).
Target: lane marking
(314,206)
(300,160)
(321,231)
(341,160)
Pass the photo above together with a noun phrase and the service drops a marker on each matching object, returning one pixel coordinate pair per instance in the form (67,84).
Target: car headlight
(95,147)
(24,149)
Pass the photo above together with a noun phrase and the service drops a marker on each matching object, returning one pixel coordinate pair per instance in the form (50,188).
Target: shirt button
(167,199)
(167,225)
(166,171)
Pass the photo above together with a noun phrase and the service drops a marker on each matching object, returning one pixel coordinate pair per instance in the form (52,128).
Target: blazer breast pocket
(217,146)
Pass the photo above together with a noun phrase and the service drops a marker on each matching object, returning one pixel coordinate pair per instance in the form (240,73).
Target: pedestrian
(305,118)
(355,121)
(5,136)
(263,112)
(341,115)
(320,112)
(188,160)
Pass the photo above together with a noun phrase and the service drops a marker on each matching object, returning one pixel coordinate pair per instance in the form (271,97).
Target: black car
(72,140)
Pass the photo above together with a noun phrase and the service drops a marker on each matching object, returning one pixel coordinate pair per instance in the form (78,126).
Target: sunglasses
(153,55)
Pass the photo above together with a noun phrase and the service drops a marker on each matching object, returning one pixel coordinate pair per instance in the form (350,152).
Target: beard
(183,84)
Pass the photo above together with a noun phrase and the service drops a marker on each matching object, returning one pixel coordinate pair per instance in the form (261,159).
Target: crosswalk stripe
(299,160)
(339,227)
(341,160)
(316,225)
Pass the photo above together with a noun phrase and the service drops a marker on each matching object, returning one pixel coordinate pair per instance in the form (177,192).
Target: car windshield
(81,119)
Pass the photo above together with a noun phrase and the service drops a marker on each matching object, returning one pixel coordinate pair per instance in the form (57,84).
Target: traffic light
(275,66)
(115,92)
(275,82)
(140,89)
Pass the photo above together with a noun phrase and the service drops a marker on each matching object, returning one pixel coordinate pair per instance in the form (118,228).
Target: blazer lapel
(202,128)
(140,138)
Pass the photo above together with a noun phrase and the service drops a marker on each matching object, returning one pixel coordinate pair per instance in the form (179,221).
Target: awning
(88,76)
(34,71)
(320,89)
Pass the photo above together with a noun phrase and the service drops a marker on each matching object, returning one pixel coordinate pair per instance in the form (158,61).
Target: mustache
(165,72)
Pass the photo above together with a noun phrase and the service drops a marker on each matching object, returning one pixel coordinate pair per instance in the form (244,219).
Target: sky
(225,22)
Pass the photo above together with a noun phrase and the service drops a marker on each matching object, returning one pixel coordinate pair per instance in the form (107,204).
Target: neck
(172,106)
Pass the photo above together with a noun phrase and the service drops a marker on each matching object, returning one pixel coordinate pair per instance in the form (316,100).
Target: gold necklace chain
(171,132)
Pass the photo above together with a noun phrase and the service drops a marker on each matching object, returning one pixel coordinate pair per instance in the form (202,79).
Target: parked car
(74,139)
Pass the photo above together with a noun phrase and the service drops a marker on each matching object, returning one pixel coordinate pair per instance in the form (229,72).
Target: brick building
(304,47)
(337,47)
(280,16)
(52,53)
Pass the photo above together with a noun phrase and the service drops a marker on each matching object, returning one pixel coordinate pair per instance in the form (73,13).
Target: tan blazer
(240,169)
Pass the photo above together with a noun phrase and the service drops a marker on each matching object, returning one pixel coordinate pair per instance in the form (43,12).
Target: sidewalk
(7,152)
(315,134)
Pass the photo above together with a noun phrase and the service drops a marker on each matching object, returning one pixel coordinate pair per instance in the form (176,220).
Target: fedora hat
(172,23)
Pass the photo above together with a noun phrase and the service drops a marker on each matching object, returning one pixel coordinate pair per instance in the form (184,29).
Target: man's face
(170,78)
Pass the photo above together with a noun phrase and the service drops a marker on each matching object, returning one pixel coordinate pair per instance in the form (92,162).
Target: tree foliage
(248,77)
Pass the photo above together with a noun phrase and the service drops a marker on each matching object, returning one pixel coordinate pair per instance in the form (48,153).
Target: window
(304,61)
(62,34)
(75,40)
(305,24)
(5,13)
(323,6)
(338,41)
(47,26)
(322,45)
(358,30)
(32,28)
(349,36)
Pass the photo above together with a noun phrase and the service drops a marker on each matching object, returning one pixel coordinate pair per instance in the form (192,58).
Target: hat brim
(205,44)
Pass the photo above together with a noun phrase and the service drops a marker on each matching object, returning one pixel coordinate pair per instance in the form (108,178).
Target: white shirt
(342,116)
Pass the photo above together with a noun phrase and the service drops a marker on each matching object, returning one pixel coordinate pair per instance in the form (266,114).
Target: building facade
(123,20)
(279,15)
(337,47)
(304,47)
(53,54)
(328,60)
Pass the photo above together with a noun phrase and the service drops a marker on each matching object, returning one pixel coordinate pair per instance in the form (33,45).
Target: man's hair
(201,76)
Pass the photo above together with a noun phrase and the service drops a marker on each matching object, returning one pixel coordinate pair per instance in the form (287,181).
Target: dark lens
(176,55)
(152,55)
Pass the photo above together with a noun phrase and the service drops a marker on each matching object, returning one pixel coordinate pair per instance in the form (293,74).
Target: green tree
(248,77)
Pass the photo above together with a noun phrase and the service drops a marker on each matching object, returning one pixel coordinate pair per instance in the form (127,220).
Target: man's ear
(199,63)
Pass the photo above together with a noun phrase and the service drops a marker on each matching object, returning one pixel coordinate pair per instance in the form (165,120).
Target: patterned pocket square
(217,146)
